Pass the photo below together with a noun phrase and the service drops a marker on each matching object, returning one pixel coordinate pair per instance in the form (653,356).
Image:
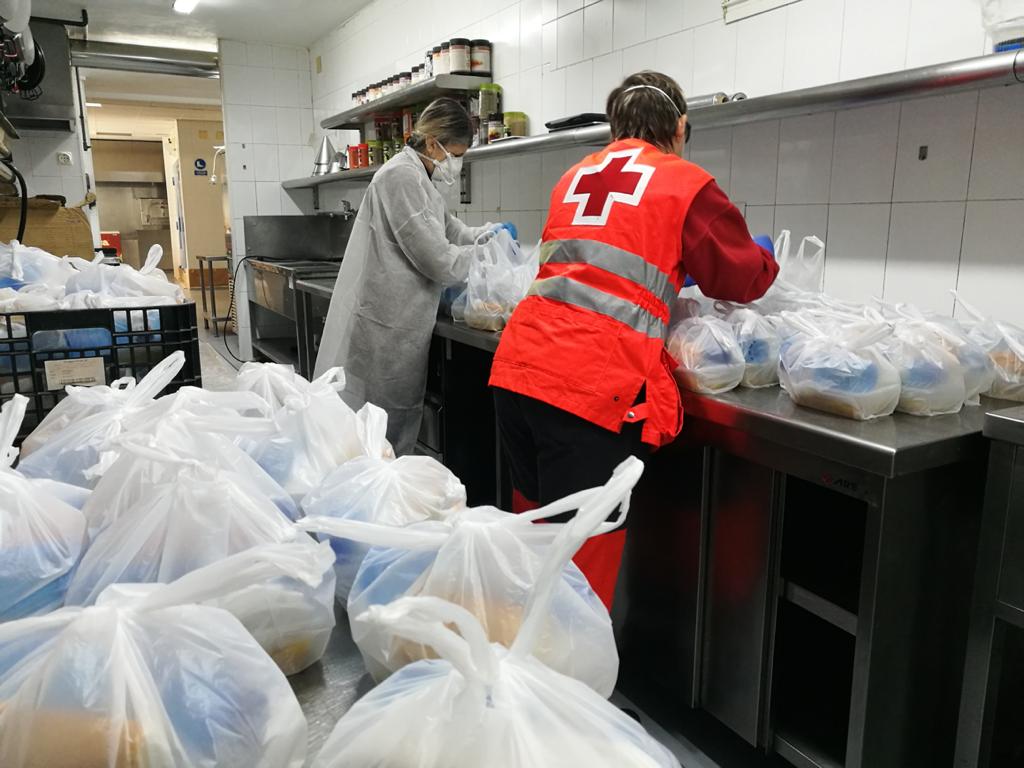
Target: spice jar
(375,152)
(404,79)
(353,156)
(480,57)
(446,59)
(407,123)
(461,62)
(435,58)
(362,152)
(490,100)
(516,124)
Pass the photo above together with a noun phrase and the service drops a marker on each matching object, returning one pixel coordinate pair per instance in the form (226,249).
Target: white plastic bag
(80,403)
(116,686)
(841,372)
(806,269)
(282,593)
(41,536)
(69,447)
(387,492)
(481,705)
(316,431)
(25,265)
(759,341)
(489,562)
(169,505)
(499,277)
(931,378)
(1004,344)
(710,359)
(124,280)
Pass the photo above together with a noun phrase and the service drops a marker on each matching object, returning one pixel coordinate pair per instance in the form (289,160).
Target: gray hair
(446,121)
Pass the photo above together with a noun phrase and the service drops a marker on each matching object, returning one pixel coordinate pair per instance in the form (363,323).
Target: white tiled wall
(35,155)
(268,125)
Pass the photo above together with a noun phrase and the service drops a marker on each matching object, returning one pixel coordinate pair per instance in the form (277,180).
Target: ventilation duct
(144,58)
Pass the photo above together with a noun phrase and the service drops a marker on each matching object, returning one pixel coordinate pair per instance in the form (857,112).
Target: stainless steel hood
(144,58)
(54,110)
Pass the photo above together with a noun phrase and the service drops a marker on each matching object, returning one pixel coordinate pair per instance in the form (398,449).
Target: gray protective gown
(404,248)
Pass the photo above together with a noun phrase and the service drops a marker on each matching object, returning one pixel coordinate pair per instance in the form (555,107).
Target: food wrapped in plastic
(24,265)
(499,277)
(842,372)
(124,280)
(143,685)
(480,705)
(70,442)
(316,431)
(41,536)
(394,492)
(758,339)
(282,593)
(1004,345)
(710,359)
(931,378)
(175,500)
(489,561)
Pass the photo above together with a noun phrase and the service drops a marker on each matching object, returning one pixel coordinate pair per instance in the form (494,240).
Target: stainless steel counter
(322,287)
(447,328)
(891,446)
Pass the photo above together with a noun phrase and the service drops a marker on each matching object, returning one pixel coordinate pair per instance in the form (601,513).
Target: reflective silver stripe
(578,294)
(611,259)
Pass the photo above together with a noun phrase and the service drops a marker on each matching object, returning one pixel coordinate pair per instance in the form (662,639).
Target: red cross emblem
(596,188)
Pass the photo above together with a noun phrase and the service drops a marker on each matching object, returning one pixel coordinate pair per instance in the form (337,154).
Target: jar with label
(404,79)
(446,59)
(516,124)
(490,100)
(428,65)
(407,123)
(353,156)
(364,156)
(375,152)
(387,150)
(461,62)
(435,57)
(495,128)
(480,57)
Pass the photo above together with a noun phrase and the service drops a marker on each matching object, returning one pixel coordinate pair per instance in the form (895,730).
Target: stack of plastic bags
(387,492)
(315,431)
(1004,345)
(709,358)
(41,535)
(499,277)
(487,703)
(488,561)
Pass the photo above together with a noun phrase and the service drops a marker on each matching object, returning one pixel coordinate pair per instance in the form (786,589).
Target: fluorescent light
(93,104)
(185,6)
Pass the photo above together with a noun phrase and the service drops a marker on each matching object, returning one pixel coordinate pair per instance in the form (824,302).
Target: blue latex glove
(766,242)
(689,282)
(509,227)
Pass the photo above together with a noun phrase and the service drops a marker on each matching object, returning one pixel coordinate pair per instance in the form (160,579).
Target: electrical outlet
(64,158)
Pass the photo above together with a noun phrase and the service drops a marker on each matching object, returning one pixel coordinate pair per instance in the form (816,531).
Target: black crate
(128,341)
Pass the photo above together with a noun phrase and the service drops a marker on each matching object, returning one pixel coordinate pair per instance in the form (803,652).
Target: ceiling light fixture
(185,6)
(94,104)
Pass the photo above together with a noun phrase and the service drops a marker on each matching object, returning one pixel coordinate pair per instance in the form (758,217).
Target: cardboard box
(58,230)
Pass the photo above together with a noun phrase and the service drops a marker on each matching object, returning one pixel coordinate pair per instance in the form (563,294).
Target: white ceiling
(152,22)
(106,85)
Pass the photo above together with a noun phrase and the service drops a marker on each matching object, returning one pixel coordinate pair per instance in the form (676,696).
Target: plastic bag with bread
(478,703)
(487,561)
(142,684)
(1004,344)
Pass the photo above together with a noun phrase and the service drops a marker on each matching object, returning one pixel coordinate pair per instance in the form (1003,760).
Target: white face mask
(447,171)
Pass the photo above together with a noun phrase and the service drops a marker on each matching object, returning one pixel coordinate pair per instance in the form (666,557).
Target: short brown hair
(644,113)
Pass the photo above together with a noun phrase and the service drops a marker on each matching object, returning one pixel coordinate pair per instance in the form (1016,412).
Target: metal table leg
(202,293)
(213,300)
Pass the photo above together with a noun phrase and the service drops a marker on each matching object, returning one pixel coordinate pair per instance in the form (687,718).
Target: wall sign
(200,167)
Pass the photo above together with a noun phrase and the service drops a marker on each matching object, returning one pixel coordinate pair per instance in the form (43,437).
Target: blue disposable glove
(509,227)
(766,242)
(689,282)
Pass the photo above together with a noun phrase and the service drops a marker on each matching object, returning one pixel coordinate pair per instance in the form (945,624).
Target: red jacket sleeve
(718,252)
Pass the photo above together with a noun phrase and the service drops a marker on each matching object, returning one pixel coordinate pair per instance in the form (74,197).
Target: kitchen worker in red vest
(581,375)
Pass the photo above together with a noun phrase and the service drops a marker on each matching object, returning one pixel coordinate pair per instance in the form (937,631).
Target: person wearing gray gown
(405,247)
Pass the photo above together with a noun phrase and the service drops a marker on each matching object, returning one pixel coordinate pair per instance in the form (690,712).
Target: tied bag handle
(11,416)
(159,376)
(375,535)
(429,621)
(571,503)
(616,492)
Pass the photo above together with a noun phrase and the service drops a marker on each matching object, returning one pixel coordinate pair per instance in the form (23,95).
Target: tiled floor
(216,352)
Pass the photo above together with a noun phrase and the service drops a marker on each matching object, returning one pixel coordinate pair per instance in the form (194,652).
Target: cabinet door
(1011,576)
(736,620)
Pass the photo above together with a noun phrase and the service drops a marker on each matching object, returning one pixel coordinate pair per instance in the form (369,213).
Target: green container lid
(491,87)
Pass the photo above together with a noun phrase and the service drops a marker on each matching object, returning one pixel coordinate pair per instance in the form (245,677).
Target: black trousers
(553,453)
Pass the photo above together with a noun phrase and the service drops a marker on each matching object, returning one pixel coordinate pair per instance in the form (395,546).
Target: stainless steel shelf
(708,111)
(407,97)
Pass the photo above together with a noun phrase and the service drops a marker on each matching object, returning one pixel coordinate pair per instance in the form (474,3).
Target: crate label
(86,372)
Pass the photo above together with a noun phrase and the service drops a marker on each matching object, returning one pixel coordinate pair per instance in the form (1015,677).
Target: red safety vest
(591,332)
